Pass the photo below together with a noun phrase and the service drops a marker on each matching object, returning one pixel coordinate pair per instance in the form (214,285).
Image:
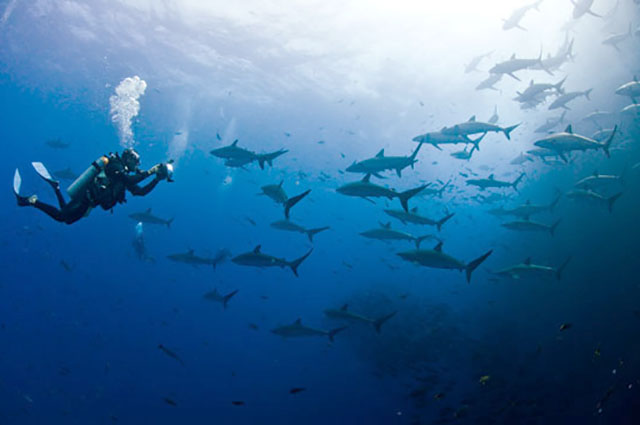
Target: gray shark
(494,117)
(528,209)
(598,181)
(555,62)
(148,218)
(551,123)
(536,89)
(630,89)
(290,226)
(464,154)
(234,152)
(562,100)
(382,163)
(365,189)
(614,39)
(531,226)
(567,141)
(65,174)
(591,197)
(514,20)
(190,258)
(437,259)
(256,258)
(216,296)
(414,218)
(582,7)
(473,64)
(543,153)
(491,182)
(432,191)
(57,144)
(489,82)
(520,159)
(598,117)
(509,67)
(436,138)
(385,233)
(474,127)
(343,313)
(297,330)
(528,270)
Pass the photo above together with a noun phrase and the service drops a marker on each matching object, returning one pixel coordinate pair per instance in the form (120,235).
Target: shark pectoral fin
(256,250)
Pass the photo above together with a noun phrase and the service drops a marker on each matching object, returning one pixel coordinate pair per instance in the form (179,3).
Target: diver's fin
(17,182)
(44,173)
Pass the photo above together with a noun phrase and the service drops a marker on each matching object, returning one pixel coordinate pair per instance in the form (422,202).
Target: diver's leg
(61,201)
(50,210)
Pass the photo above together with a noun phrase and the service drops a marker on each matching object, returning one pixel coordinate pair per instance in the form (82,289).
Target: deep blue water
(82,316)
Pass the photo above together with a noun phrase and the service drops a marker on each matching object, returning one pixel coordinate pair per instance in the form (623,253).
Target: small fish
(596,352)
(264,297)
(66,266)
(438,396)
(321,142)
(253,326)
(287,134)
(484,379)
(170,354)
(218,136)
(296,390)
(169,401)
(250,220)
(565,326)
(238,403)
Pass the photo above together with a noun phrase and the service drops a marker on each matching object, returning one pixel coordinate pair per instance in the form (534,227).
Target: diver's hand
(155,169)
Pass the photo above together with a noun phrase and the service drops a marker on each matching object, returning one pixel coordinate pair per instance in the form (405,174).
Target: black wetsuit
(106,190)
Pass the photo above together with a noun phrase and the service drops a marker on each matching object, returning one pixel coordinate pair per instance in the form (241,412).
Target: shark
(599,181)
(148,218)
(551,123)
(489,82)
(475,61)
(536,89)
(414,218)
(216,296)
(514,20)
(567,141)
(57,144)
(474,127)
(234,152)
(381,163)
(65,174)
(190,258)
(520,159)
(437,138)
(464,154)
(582,7)
(385,233)
(432,191)
(531,226)
(435,258)
(343,313)
(491,182)
(562,100)
(589,196)
(290,226)
(630,89)
(365,189)
(513,64)
(527,269)
(297,330)
(257,258)
(494,117)
(528,209)
(614,39)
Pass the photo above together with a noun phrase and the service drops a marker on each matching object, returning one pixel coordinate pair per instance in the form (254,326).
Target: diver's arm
(139,176)
(141,191)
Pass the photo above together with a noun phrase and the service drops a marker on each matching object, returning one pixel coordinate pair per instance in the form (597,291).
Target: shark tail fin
(469,268)
(558,85)
(476,142)
(587,93)
(612,200)
(294,200)
(607,144)
(408,194)
(562,267)
(415,153)
(169,222)
(517,181)
(553,227)
(419,240)
(441,190)
(261,161)
(296,263)
(379,322)
(333,332)
(555,201)
(227,297)
(444,220)
(507,131)
(312,232)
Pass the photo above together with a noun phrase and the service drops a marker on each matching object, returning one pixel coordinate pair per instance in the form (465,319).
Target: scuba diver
(104,184)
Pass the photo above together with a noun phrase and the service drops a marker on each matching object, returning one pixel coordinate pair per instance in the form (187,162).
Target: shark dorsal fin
(513,56)
(568,129)
(386,225)
(414,210)
(527,261)
(472,119)
(148,210)
(366,178)
(256,250)
(380,154)
(235,142)
(491,177)
(281,182)
(298,321)
(438,247)
(344,307)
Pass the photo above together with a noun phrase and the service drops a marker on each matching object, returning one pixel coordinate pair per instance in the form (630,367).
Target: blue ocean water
(82,316)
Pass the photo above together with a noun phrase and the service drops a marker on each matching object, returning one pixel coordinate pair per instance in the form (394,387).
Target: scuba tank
(80,185)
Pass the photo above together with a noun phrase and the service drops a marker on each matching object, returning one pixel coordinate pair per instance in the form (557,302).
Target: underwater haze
(380,212)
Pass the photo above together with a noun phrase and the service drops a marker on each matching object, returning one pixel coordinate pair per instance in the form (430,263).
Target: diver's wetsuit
(105,190)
